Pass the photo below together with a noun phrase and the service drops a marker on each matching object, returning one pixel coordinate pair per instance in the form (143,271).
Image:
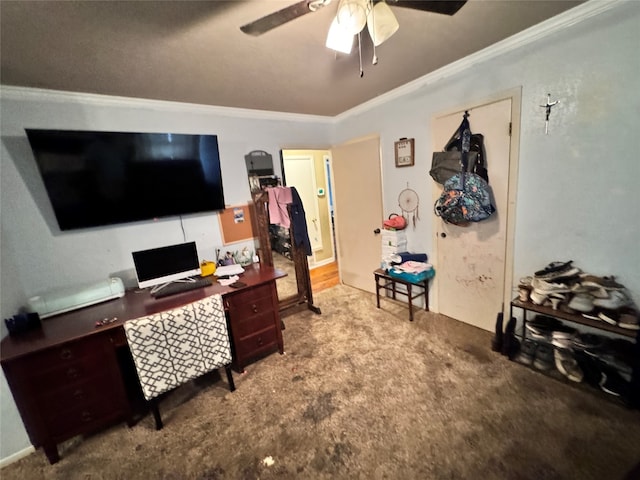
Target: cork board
(236,224)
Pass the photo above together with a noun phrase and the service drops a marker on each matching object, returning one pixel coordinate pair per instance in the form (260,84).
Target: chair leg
(156,413)
(232,386)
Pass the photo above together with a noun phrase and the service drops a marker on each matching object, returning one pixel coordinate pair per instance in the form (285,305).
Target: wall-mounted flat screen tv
(104,178)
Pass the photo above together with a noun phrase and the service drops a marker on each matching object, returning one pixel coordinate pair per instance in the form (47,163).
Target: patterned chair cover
(173,347)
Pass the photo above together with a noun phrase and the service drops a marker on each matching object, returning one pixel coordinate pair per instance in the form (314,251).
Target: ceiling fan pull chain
(360,54)
(374,61)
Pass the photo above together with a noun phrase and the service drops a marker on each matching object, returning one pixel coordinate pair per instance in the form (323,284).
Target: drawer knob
(259,341)
(255,308)
(79,394)
(66,354)
(73,373)
(86,416)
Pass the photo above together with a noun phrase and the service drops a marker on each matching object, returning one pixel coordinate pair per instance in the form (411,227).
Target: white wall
(37,258)
(577,187)
(577,194)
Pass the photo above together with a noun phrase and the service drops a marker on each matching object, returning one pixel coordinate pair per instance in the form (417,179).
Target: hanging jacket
(299,223)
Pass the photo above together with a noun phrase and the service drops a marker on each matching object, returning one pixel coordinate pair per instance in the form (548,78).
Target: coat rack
(304,296)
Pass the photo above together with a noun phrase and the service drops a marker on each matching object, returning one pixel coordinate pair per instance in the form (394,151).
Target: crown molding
(561,21)
(61,96)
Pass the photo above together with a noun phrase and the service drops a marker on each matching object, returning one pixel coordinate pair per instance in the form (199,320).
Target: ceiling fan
(351,18)
(273,20)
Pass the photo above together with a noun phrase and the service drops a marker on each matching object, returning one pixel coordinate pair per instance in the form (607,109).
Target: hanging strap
(465,143)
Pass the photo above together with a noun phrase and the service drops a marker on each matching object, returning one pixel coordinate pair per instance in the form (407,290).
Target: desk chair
(173,347)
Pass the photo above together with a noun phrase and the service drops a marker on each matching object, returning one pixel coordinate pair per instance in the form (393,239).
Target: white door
(470,270)
(300,173)
(358,210)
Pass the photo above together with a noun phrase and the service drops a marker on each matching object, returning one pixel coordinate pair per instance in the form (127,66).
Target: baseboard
(17,456)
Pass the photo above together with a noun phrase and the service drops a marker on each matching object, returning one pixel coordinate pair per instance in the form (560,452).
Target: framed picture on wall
(404,152)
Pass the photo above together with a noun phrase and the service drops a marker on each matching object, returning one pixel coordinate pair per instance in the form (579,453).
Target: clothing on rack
(279,198)
(299,220)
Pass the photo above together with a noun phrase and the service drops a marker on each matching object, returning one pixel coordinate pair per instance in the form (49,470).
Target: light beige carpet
(362,393)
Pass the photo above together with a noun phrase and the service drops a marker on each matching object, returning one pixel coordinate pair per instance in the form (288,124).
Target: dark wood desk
(389,283)
(68,378)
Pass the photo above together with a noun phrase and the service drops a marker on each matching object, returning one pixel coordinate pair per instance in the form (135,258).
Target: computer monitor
(159,266)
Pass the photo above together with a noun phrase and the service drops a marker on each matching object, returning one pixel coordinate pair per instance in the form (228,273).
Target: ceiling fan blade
(445,7)
(264,24)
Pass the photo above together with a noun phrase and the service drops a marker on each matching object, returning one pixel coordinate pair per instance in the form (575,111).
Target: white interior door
(300,173)
(357,193)
(471,260)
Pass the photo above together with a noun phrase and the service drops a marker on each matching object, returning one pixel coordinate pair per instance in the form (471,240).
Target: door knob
(443,235)
(376,231)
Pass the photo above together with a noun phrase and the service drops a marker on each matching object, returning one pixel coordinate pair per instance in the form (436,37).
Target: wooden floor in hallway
(324,277)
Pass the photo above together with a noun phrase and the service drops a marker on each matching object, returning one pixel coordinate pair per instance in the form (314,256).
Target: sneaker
(607,283)
(629,319)
(612,317)
(537,297)
(583,341)
(553,269)
(547,287)
(568,365)
(544,357)
(613,384)
(617,299)
(527,352)
(581,302)
(542,327)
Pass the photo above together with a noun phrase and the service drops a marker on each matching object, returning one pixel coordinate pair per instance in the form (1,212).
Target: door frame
(515,94)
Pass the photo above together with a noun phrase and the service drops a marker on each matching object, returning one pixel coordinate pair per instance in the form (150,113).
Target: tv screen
(104,178)
(158,266)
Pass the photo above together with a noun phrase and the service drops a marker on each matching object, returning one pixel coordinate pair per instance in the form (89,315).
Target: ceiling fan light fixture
(339,39)
(381,23)
(352,15)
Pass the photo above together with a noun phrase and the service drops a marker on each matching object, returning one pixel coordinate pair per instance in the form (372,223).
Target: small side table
(389,283)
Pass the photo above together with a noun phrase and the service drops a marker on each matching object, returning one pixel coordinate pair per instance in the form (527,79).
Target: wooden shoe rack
(579,320)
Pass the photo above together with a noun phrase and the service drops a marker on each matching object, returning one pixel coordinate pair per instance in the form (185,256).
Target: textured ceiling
(194,51)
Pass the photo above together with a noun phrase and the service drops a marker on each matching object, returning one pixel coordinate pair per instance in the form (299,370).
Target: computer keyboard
(180,287)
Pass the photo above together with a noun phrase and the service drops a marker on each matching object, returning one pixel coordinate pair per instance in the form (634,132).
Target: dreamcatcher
(408,202)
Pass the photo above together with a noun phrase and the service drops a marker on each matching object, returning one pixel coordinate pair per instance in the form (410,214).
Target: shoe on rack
(542,327)
(591,368)
(617,299)
(581,302)
(612,383)
(547,287)
(567,364)
(537,298)
(555,269)
(527,352)
(608,283)
(544,357)
(583,341)
(612,317)
(629,319)
(562,337)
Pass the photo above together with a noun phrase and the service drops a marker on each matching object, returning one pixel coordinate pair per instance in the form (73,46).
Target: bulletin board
(236,224)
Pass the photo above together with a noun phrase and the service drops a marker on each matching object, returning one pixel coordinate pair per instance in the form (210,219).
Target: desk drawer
(244,327)
(72,396)
(67,353)
(257,342)
(240,299)
(53,376)
(83,418)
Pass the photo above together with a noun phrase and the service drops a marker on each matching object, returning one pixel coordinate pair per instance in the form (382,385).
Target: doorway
(475,263)
(309,171)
